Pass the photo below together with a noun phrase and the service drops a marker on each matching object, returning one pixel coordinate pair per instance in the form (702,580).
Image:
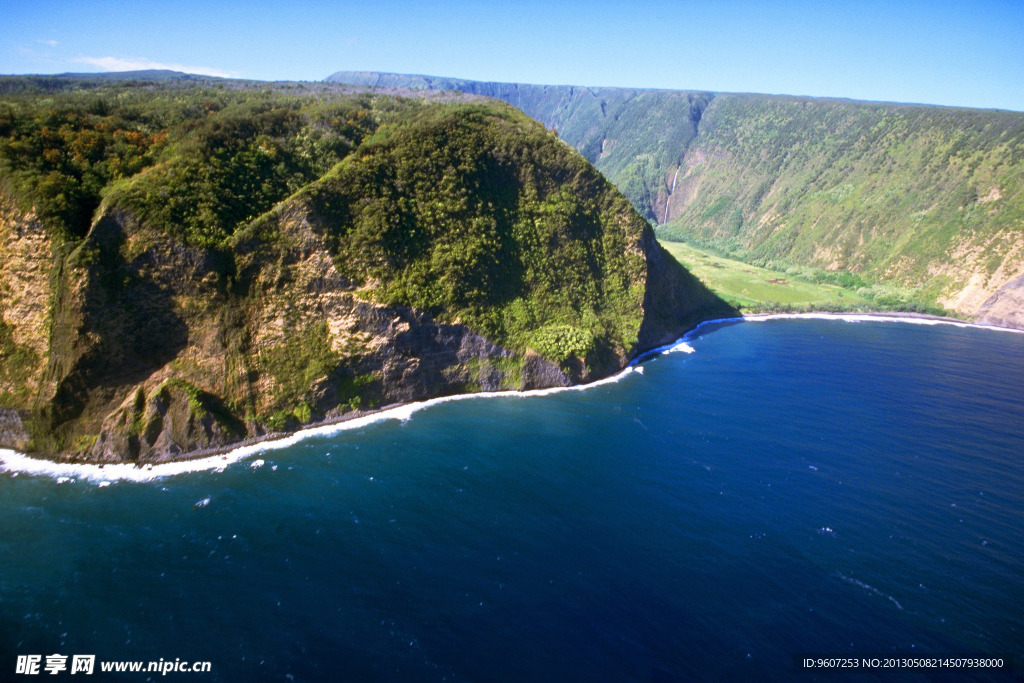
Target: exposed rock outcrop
(1005,308)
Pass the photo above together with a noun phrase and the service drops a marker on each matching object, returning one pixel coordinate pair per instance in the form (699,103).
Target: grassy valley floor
(754,289)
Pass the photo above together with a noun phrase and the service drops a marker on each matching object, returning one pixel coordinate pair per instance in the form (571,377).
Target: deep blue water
(792,486)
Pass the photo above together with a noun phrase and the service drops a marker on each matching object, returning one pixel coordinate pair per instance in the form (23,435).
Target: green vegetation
(297,366)
(84,442)
(233,257)
(753,289)
(472,214)
(234,164)
(925,201)
(138,413)
(562,342)
(898,194)
(58,158)
(198,161)
(17,363)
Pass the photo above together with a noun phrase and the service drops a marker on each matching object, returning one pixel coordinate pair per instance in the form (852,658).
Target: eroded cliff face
(1005,308)
(160,349)
(129,306)
(26,260)
(230,289)
(303,313)
(164,352)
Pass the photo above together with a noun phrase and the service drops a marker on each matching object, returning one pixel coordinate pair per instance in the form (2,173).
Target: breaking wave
(16,463)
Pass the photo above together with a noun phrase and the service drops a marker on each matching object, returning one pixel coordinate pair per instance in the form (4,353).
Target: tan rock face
(161,351)
(1005,308)
(970,267)
(399,354)
(26,259)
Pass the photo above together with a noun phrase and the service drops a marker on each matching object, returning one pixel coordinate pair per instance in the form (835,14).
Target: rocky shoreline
(220,456)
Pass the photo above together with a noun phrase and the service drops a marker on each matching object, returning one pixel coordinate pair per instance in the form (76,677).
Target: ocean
(844,490)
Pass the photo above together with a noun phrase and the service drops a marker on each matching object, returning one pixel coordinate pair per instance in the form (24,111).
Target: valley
(923,200)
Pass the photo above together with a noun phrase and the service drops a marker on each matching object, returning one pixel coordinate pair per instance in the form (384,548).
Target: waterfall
(670,193)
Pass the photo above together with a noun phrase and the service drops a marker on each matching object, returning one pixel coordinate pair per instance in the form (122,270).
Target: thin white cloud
(141,64)
(51,43)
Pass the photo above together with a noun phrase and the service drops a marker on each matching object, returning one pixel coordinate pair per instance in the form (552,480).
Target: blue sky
(937,52)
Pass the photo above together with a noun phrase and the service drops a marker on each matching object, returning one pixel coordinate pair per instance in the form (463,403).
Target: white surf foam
(14,462)
(877,318)
(872,589)
(18,463)
(680,345)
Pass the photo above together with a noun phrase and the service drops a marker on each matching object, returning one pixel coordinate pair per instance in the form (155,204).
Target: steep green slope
(927,197)
(633,136)
(185,265)
(924,204)
(475,214)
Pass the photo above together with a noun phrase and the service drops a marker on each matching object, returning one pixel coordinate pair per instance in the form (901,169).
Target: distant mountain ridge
(630,134)
(922,197)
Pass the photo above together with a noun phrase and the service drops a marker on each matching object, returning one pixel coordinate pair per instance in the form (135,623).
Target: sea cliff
(242,281)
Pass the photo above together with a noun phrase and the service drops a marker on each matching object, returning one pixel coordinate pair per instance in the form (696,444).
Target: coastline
(15,463)
(217,459)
